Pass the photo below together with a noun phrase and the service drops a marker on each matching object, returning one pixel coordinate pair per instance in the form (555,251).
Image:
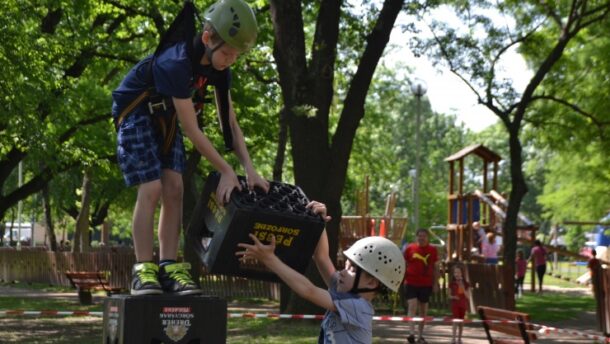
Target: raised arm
(321,256)
(322,259)
(297,282)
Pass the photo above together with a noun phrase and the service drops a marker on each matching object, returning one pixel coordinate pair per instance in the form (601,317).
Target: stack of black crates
(216,229)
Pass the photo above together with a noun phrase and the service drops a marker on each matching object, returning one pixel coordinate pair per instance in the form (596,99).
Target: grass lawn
(554,306)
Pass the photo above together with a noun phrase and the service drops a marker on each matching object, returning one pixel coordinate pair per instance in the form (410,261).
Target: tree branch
(72,130)
(576,108)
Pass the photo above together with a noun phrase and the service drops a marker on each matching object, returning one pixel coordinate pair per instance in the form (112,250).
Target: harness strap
(139,99)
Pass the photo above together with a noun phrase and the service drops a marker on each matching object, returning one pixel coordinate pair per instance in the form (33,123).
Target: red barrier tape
(543,330)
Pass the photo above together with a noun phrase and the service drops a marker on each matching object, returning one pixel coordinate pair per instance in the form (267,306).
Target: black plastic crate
(216,230)
(156,319)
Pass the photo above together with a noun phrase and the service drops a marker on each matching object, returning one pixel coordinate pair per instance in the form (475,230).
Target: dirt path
(89,329)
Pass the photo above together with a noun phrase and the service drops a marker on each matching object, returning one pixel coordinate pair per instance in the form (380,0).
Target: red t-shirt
(455,289)
(420,265)
(593,264)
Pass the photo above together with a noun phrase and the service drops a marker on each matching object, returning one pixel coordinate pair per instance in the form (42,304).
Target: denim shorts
(139,150)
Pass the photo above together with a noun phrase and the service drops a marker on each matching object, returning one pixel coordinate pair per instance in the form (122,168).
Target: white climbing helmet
(381,258)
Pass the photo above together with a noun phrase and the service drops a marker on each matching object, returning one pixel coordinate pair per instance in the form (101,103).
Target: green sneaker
(144,280)
(176,279)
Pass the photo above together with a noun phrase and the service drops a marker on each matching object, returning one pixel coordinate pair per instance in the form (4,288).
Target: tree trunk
(278,165)
(48,220)
(81,234)
(320,166)
(518,191)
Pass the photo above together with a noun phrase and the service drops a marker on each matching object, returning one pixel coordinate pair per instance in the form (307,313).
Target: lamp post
(419,88)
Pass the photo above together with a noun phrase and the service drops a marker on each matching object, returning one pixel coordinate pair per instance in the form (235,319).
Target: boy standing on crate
(157,95)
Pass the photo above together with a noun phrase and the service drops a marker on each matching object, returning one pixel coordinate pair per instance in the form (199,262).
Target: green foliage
(384,150)
(577,185)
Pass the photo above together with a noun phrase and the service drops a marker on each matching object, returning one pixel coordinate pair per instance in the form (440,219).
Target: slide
(504,202)
(490,203)
(497,209)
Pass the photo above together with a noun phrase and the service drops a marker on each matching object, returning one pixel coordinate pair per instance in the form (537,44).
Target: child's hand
(228,182)
(257,250)
(254,179)
(319,208)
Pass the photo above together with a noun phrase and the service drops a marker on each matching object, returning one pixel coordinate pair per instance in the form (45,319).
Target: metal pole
(19,205)
(417,162)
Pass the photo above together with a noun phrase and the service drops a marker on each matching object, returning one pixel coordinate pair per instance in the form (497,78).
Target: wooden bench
(514,324)
(87,281)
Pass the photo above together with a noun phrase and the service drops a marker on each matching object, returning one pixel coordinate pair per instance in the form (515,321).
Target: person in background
(421,280)
(490,249)
(479,235)
(538,256)
(520,268)
(593,266)
(459,294)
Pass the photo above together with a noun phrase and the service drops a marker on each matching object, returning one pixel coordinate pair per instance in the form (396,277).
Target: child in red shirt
(520,268)
(460,293)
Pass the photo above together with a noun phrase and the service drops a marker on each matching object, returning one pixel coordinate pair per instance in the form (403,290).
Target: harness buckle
(153,106)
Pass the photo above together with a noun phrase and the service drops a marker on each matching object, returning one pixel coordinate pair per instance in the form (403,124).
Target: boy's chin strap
(210,51)
(355,288)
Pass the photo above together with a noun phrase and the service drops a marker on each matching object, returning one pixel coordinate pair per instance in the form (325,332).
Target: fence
(486,281)
(38,266)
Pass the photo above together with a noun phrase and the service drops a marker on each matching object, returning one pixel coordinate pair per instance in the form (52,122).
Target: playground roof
(478,149)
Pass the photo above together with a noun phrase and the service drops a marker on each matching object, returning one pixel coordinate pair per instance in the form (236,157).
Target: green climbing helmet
(234,21)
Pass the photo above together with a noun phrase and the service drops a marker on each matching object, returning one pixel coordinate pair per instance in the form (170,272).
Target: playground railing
(355,227)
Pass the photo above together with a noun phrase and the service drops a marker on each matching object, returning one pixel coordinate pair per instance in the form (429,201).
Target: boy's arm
(188,120)
(321,256)
(297,282)
(241,151)
(322,259)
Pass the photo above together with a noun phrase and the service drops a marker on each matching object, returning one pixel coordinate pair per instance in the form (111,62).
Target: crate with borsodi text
(280,212)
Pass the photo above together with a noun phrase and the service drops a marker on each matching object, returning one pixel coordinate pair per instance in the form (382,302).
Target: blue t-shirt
(173,77)
(351,323)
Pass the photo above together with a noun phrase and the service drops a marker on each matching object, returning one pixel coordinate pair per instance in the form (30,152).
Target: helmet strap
(355,289)
(210,51)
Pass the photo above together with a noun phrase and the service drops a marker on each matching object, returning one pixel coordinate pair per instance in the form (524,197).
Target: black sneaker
(421,340)
(411,339)
(144,280)
(176,279)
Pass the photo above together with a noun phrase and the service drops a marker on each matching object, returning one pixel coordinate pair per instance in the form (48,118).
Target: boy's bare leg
(171,213)
(143,219)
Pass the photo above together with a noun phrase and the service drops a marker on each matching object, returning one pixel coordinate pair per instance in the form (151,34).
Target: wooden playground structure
(363,224)
(486,206)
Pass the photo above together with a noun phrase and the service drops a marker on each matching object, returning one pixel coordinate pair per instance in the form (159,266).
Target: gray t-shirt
(353,321)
